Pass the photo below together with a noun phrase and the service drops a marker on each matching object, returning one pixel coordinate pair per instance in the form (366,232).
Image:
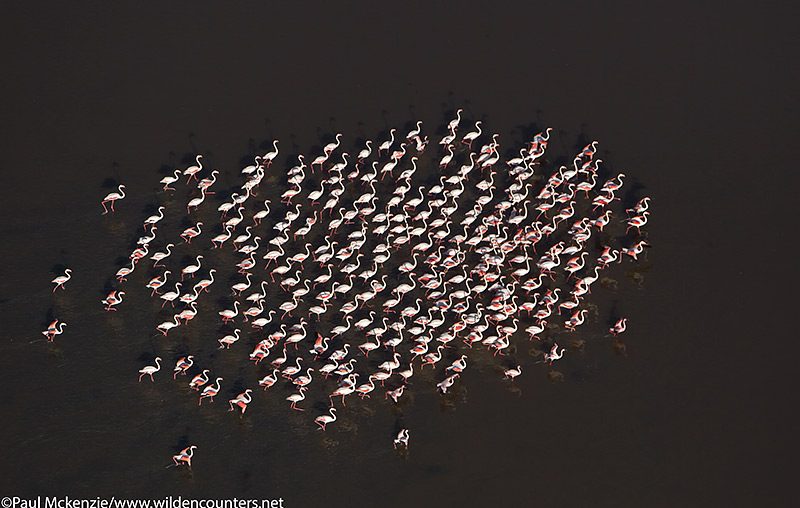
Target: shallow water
(94,96)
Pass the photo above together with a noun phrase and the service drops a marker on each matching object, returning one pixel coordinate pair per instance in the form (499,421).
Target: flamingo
(166,326)
(366,152)
(386,145)
(339,330)
(432,358)
(189,298)
(320,159)
(602,221)
(447,158)
(453,125)
(458,365)
(396,393)
(241,286)
(535,330)
(191,232)
(144,240)
(323,420)
(185,456)
(619,327)
(247,263)
(111,197)
(203,284)
(269,379)
(153,219)
(640,207)
(327,369)
(210,391)
(205,183)
(365,389)
(576,320)
(191,269)
(402,438)
(228,315)
(613,184)
(288,307)
(298,334)
(253,167)
(171,296)
(344,390)
(415,132)
(586,185)
(512,373)
(363,323)
(226,207)
(222,237)
(250,248)
(447,383)
(262,214)
(345,368)
(264,321)
(234,221)
(259,295)
(123,272)
(369,346)
(113,298)
(196,201)
(54,329)
(139,252)
(608,256)
(391,365)
(291,370)
(270,156)
(226,341)
(62,279)
(330,147)
(242,400)
(169,180)
(160,256)
(554,354)
(470,136)
(192,171)
(272,256)
(150,369)
(297,397)
(637,222)
(313,196)
(199,380)
(576,263)
(182,365)
(300,257)
(635,250)
(304,380)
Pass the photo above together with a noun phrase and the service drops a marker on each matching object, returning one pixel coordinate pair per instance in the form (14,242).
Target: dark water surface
(689,103)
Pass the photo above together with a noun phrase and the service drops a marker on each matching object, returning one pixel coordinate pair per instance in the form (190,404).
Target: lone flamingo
(297,397)
(620,327)
(150,369)
(111,197)
(402,438)
(323,420)
(183,365)
(62,279)
(185,456)
(54,329)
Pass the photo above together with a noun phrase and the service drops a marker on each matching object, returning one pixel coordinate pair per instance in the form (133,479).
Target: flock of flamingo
(372,276)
